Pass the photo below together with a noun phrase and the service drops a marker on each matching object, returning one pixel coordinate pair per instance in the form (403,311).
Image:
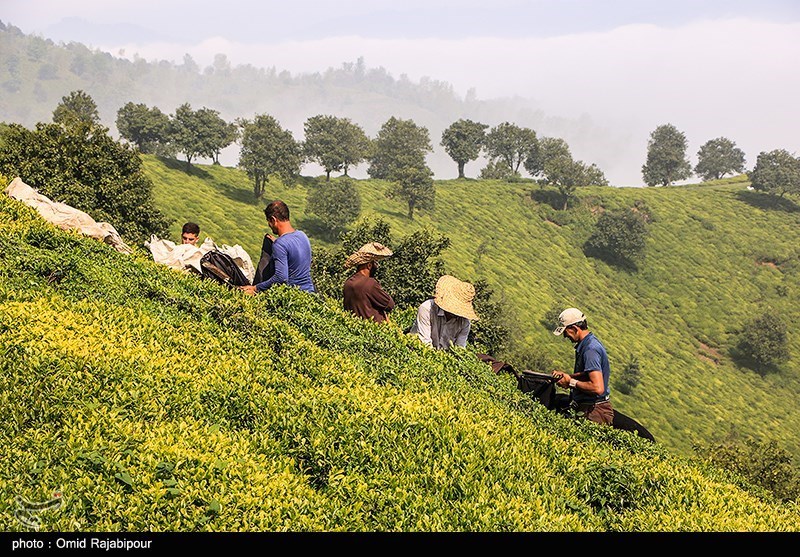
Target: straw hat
(371,251)
(455,296)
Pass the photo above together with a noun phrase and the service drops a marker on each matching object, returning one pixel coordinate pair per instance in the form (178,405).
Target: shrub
(550,317)
(763,463)
(488,331)
(528,357)
(336,203)
(85,168)
(629,377)
(409,275)
(618,238)
(762,343)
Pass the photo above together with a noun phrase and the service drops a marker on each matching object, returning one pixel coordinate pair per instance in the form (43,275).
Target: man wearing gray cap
(589,382)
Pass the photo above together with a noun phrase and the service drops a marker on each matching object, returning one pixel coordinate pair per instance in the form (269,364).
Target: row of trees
(195,133)
(397,154)
(776,172)
(508,146)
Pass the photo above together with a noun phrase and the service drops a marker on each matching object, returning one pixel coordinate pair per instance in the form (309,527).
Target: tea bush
(154,401)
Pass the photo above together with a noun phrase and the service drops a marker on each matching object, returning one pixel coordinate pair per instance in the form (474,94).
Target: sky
(710,67)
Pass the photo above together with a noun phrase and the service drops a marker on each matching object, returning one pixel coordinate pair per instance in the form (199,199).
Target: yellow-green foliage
(716,255)
(153,400)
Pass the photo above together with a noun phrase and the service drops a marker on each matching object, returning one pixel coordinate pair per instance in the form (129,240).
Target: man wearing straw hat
(444,320)
(363,294)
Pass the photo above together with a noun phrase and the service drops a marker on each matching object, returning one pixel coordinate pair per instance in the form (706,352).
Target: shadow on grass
(621,263)
(402,215)
(246,196)
(183,166)
(314,227)
(548,197)
(240,195)
(767,202)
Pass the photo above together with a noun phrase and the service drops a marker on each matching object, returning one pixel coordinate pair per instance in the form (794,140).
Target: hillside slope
(717,255)
(151,400)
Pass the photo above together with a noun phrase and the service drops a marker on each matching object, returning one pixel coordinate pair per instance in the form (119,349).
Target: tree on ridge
(666,157)
(718,157)
(463,141)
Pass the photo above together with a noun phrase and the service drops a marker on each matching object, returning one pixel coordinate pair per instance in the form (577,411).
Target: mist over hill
(37,72)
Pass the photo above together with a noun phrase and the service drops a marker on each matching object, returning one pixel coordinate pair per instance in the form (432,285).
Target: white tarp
(66,217)
(183,256)
(186,257)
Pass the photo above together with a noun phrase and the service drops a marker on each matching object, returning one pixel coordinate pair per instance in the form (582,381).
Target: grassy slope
(155,401)
(703,277)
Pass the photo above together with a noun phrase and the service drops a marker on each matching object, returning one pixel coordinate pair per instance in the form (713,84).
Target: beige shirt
(435,329)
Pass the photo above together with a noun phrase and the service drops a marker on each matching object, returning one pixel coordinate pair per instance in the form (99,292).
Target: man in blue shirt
(589,381)
(291,252)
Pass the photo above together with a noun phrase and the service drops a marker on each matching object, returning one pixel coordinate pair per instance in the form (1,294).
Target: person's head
(190,233)
(366,258)
(455,297)
(572,323)
(276,212)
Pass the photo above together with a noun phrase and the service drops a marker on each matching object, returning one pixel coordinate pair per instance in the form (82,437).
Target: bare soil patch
(709,354)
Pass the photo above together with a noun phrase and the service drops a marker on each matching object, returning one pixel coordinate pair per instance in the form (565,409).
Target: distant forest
(35,73)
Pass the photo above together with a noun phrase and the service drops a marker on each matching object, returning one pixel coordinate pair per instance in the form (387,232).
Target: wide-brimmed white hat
(568,317)
(455,296)
(371,251)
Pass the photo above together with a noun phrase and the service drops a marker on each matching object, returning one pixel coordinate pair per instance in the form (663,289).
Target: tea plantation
(151,400)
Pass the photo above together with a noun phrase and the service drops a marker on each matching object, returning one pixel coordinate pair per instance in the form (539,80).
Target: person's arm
(590,380)
(592,384)
(595,383)
(461,338)
(423,324)
(281,275)
(380,299)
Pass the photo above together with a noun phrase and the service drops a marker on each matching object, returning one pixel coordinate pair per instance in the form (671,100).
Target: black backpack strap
(266,265)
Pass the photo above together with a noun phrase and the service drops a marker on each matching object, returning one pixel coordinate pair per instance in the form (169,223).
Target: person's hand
(248,289)
(271,237)
(563,379)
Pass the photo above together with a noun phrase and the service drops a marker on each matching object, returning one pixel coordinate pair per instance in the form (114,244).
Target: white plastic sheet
(186,257)
(66,217)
